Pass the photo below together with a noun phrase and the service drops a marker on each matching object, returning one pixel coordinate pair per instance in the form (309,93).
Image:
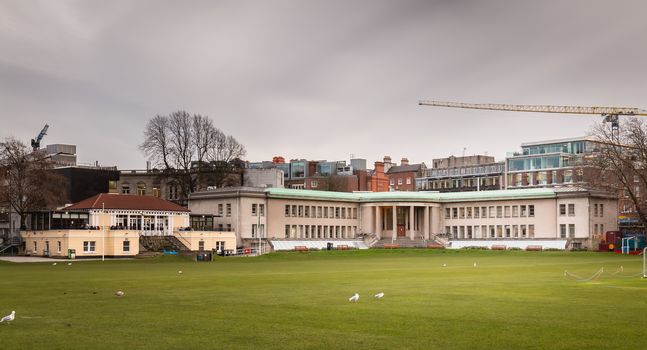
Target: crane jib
(540,108)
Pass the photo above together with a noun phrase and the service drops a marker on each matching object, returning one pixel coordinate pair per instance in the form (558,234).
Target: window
(562,209)
(287,231)
(461,212)
(531,231)
(343,213)
(602,228)
(601,213)
(261,209)
(336,212)
(254,209)
(125,189)
(447,229)
(391,182)
(499,211)
(300,211)
(491,210)
(306,212)
(58,246)
(476,212)
(506,211)
(571,230)
(157,192)
(141,189)
(325,212)
(294,211)
(448,213)
(492,231)
(468,212)
(408,181)
(318,212)
(571,210)
(515,231)
(531,211)
(595,210)
(524,232)
(515,211)
(89,246)
(484,212)
(228,209)
(220,211)
(314,184)
(562,230)
(523,211)
(126,246)
(399,181)
(35,246)
(172,192)
(568,176)
(201,245)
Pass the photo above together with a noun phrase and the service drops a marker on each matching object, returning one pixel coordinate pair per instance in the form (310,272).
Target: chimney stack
(404,161)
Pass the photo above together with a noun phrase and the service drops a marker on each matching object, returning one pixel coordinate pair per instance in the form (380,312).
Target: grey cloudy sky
(315,79)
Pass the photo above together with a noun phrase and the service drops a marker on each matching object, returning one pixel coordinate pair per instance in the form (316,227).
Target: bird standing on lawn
(355,297)
(379,295)
(9,317)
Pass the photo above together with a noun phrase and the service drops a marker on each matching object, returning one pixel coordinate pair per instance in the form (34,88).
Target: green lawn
(511,300)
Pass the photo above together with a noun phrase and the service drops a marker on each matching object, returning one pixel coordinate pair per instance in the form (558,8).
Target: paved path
(37,259)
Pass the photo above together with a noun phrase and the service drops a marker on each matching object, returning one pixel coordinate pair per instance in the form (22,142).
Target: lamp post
(103,232)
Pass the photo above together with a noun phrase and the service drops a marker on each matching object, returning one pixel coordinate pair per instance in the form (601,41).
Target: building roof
(404,168)
(555,141)
(127,202)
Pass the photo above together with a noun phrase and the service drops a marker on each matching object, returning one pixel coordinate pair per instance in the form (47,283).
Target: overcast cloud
(315,79)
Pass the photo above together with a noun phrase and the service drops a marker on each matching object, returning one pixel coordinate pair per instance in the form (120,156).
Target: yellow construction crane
(610,114)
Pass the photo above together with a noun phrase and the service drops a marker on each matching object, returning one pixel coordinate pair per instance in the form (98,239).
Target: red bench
(300,248)
(343,247)
(391,246)
(498,247)
(534,248)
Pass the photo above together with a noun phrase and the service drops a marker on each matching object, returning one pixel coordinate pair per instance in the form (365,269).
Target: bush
(476,247)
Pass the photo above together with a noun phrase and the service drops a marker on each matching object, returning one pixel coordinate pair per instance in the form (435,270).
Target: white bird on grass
(54,264)
(69,264)
(355,297)
(474,264)
(379,295)
(180,272)
(119,293)
(9,317)
(444,265)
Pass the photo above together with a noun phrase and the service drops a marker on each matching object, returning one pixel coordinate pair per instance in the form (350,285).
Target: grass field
(511,300)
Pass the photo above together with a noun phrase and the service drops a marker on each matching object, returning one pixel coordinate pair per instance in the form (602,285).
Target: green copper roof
(411,196)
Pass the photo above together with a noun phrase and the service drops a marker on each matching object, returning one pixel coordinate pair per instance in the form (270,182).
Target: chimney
(387,159)
(404,161)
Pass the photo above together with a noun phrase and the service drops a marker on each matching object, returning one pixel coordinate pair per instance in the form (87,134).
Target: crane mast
(35,143)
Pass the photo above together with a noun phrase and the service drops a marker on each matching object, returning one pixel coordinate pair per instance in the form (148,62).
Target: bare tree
(29,182)
(191,150)
(621,162)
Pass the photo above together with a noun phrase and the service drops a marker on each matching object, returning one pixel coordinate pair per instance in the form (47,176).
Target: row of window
(491,231)
(499,211)
(157,191)
(598,210)
(220,209)
(426,184)
(563,233)
(320,231)
(392,181)
(88,246)
(258,208)
(308,211)
(571,209)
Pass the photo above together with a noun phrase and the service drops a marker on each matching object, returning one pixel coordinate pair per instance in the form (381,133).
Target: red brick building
(403,177)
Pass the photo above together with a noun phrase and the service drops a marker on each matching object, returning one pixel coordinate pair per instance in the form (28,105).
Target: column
(412,223)
(378,222)
(426,223)
(395,222)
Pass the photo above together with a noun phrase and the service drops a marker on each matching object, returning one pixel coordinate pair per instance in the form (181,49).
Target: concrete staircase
(401,243)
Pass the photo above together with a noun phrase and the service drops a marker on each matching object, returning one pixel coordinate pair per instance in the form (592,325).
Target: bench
(300,248)
(498,247)
(534,248)
(435,246)
(391,246)
(343,247)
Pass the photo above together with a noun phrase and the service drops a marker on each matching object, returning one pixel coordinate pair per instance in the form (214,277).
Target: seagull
(355,297)
(379,295)
(54,264)
(180,272)
(69,264)
(9,317)
(474,264)
(444,265)
(119,293)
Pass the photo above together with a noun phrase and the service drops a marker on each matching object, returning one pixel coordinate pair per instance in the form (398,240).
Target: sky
(316,79)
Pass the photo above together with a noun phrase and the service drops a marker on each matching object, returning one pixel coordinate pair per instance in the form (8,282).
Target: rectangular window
(562,209)
(220,210)
(58,246)
(507,231)
(571,210)
(515,211)
(287,210)
(454,213)
(499,211)
(515,231)
(336,212)
(595,210)
(461,213)
(448,213)
(484,212)
(468,212)
(601,213)
(254,209)
(491,210)
(319,212)
(399,181)
(562,230)
(343,213)
(492,231)
(294,211)
(325,212)
(499,231)
(523,211)
(125,189)
(447,229)
(531,231)
(477,233)
(531,211)
(469,232)
(506,211)
(261,209)
(306,212)
(524,231)
(126,246)
(300,211)
(602,228)
(89,246)
(228,209)
(476,213)
(287,231)
(571,230)
(455,231)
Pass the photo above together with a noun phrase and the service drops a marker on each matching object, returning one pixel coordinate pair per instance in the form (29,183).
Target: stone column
(395,222)
(378,222)
(412,223)
(426,223)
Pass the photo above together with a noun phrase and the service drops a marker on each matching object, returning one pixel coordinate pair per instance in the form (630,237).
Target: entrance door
(401,230)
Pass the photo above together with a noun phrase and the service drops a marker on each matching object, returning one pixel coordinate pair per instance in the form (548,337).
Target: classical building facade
(576,217)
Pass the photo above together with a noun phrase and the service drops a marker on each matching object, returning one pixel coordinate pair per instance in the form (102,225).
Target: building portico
(395,220)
